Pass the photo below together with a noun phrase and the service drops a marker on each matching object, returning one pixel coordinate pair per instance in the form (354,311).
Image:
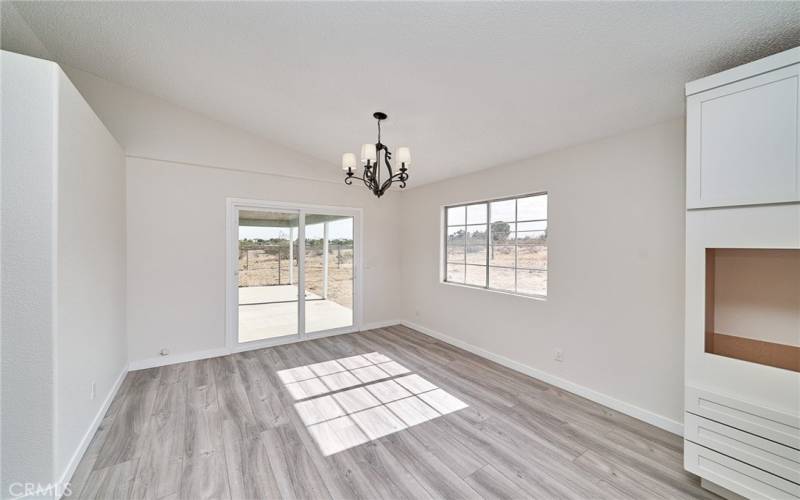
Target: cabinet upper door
(743,142)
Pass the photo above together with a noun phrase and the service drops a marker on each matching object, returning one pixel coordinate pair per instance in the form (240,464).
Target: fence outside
(268,265)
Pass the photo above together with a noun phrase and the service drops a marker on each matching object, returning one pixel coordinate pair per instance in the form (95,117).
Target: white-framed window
(498,244)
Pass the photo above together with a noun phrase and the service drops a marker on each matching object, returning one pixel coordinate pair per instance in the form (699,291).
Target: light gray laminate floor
(414,418)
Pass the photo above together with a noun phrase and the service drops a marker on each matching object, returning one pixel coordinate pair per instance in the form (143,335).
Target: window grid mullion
(488,238)
(446,241)
(516,245)
(466,237)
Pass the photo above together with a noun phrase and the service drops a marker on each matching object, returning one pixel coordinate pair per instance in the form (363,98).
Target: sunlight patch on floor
(350,401)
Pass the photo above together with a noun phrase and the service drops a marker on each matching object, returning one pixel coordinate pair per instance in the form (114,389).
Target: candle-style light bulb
(368,153)
(403,156)
(348,161)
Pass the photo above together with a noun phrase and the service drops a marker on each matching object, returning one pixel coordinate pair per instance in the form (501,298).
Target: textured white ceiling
(466,85)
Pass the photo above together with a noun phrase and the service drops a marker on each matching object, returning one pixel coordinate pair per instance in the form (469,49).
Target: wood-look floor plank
(680,483)
(434,475)
(621,479)
(129,430)
(249,471)
(228,428)
(490,483)
(441,442)
(161,460)
(87,463)
(204,477)
(114,482)
(204,474)
(265,404)
(368,461)
(295,473)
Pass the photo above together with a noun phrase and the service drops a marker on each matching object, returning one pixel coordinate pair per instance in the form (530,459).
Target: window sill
(537,298)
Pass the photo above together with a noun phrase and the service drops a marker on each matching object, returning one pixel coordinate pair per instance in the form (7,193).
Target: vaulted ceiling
(466,85)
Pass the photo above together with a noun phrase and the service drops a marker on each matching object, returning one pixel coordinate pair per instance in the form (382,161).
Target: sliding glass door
(292,272)
(328,272)
(268,300)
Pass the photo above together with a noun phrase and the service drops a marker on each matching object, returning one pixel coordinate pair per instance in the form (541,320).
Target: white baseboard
(380,324)
(634,411)
(66,476)
(142,364)
(172,359)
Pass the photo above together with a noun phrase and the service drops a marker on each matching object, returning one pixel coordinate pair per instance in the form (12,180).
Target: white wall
(63,281)
(181,166)
(615,298)
(91,345)
(177,240)
(149,127)
(28,268)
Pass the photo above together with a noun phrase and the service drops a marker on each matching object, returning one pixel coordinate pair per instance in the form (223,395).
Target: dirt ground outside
(468,265)
(269,265)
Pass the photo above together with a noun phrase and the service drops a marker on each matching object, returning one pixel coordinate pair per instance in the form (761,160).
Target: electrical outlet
(92,391)
(164,352)
(558,355)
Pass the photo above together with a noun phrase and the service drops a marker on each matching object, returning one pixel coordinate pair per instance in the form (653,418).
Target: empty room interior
(400,250)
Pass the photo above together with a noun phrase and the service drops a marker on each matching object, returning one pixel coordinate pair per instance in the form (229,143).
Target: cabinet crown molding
(767,64)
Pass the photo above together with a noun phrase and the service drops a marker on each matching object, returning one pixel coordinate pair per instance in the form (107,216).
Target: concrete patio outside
(271,311)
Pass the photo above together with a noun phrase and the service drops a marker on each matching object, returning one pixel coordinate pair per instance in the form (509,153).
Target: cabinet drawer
(736,476)
(775,458)
(769,424)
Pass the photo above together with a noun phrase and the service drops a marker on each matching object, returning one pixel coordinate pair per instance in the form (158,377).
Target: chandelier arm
(366,182)
(378,146)
(387,157)
(349,179)
(370,179)
(400,176)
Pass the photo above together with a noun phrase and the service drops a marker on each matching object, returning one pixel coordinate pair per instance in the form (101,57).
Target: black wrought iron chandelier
(371,159)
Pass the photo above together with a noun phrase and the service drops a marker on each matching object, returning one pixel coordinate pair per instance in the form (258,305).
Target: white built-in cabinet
(742,358)
(743,139)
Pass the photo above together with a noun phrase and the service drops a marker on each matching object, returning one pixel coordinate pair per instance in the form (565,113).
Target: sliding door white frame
(234,205)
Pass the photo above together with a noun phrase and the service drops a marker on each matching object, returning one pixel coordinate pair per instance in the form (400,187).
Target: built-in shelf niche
(753,305)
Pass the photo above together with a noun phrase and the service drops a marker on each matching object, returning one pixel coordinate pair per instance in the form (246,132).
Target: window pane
(455,243)
(502,232)
(502,255)
(532,207)
(328,276)
(476,244)
(455,273)
(267,292)
(532,226)
(476,254)
(531,237)
(503,210)
(476,275)
(456,216)
(501,279)
(476,214)
(476,235)
(531,282)
(532,257)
